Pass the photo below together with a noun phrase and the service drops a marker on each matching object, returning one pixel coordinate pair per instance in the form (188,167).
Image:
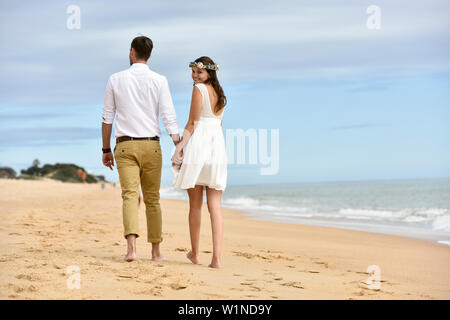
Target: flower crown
(200,65)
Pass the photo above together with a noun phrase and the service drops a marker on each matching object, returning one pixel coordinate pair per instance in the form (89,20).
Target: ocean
(417,208)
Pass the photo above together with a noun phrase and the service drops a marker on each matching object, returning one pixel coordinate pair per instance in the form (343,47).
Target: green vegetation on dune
(66,172)
(7,172)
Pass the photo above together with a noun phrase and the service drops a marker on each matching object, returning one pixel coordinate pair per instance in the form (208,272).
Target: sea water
(418,208)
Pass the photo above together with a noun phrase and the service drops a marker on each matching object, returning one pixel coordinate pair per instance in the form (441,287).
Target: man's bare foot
(131,256)
(156,255)
(131,251)
(194,259)
(159,257)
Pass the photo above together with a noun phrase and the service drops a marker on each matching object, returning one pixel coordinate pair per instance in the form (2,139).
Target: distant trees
(66,172)
(36,163)
(33,170)
(7,173)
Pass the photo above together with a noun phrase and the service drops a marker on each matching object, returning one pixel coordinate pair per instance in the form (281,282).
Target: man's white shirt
(136,96)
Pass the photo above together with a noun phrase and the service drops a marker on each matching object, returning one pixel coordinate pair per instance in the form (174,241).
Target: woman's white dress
(204,155)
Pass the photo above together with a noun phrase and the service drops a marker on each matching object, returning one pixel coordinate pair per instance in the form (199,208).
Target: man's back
(138,95)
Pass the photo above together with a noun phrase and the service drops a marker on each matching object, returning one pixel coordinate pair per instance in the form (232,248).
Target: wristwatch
(106,150)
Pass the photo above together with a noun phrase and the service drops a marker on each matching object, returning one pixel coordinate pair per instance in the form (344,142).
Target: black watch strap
(106,150)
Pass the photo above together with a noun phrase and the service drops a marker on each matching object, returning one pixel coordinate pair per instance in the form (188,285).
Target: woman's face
(199,75)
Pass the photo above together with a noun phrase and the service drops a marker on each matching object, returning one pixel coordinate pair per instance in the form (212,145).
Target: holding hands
(177,158)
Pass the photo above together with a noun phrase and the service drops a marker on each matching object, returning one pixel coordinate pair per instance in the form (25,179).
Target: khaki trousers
(140,162)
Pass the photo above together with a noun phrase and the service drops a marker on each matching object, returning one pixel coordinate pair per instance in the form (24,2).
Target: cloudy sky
(350,102)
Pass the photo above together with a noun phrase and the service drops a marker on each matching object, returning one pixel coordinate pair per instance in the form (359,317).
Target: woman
(200,159)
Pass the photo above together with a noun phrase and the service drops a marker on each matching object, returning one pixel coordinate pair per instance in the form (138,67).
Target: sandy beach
(48,226)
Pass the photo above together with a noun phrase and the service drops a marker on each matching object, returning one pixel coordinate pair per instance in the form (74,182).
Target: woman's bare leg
(195,214)
(213,198)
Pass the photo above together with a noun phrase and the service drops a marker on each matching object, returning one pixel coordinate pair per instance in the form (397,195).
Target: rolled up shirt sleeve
(109,106)
(167,110)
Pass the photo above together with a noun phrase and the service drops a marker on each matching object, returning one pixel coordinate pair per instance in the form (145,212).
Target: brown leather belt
(127,138)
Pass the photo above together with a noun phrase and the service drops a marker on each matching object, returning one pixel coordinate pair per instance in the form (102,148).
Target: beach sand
(48,226)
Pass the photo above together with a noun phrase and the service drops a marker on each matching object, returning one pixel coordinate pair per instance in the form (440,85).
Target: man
(137,95)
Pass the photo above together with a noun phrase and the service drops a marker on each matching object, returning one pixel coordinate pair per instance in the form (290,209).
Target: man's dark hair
(143,47)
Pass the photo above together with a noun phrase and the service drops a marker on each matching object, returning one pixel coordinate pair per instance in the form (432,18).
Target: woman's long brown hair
(222,101)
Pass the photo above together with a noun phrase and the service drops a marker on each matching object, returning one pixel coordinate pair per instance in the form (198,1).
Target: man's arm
(109,111)
(106,135)
(175,138)
(107,158)
(167,111)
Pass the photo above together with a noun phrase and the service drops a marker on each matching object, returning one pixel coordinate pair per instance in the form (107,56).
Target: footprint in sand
(281,257)
(325,264)
(309,271)
(29,277)
(27,224)
(249,255)
(358,293)
(19,289)
(268,258)
(389,283)
(294,284)
(177,286)
(181,249)
(361,272)
(32,289)
(365,286)
(271,251)
(216,296)
(251,285)
(255,288)
(156,291)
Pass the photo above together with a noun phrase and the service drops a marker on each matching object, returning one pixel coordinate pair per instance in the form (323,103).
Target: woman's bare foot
(194,259)
(131,256)
(215,263)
